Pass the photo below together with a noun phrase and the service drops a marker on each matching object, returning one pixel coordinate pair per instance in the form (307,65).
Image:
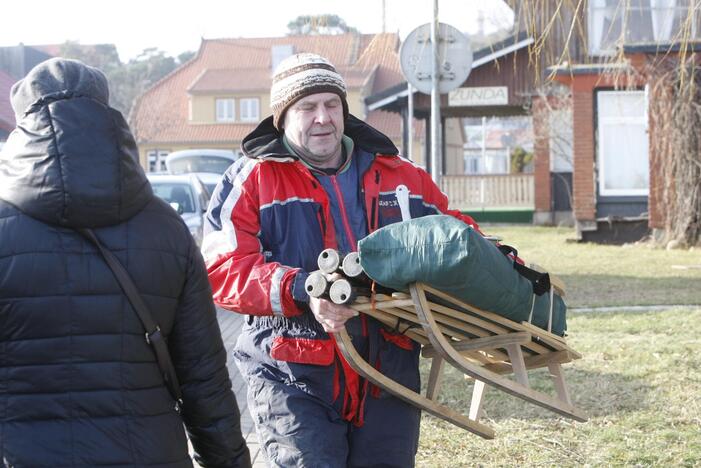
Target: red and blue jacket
(267,222)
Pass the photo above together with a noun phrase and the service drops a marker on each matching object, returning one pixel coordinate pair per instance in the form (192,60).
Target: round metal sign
(454,51)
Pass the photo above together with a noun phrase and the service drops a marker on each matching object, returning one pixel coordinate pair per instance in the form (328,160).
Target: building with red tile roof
(218,97)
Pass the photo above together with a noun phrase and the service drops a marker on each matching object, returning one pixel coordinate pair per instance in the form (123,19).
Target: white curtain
(622,144)
(662,12)
(597,17)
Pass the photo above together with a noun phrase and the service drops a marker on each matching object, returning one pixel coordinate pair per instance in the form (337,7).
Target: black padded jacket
(79,385)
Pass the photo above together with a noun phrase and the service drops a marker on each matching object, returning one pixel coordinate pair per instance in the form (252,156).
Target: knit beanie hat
(301,75)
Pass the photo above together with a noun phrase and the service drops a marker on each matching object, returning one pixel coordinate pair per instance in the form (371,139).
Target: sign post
(436,159)
(436,58)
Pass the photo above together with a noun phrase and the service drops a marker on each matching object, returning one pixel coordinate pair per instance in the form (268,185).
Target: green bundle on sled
(451,256)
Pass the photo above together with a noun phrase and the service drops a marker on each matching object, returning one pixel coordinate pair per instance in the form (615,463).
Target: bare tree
(319,24)
(673,75)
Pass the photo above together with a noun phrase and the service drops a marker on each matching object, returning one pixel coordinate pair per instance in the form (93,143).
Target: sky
(175,27)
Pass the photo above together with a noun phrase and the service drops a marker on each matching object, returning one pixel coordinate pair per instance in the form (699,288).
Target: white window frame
(225,109)
(618,13)
(472,163)
(602,123)
(246,106)
(156,160)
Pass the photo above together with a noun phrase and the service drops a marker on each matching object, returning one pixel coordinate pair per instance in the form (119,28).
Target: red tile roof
(7,115)
(228,79)
(161,113)
(257,79)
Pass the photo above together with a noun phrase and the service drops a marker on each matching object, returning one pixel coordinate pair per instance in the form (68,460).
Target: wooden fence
(489,191)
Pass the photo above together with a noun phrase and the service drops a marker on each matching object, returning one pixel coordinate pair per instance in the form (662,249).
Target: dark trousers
(297,429)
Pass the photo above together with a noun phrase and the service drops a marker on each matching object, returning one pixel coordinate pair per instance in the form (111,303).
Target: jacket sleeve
(241,280)
(209,411)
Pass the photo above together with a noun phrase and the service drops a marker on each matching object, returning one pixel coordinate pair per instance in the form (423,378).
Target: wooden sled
(481,344)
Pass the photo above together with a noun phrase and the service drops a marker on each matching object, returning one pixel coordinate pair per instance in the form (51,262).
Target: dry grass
(599,275)
(639,379)
(639,382)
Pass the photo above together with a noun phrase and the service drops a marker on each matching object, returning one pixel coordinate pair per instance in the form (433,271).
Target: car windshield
(199,163)
(175,193)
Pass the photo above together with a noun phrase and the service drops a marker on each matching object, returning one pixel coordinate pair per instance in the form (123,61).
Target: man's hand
(331,316)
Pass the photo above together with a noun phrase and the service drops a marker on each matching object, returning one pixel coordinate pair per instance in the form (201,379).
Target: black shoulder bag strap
(154,337)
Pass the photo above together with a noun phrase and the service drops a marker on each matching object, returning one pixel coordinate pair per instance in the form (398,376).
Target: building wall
(512,70)
(203,109)
(454,147)
(583,177)
(356,103)
(204,106)
(418,152)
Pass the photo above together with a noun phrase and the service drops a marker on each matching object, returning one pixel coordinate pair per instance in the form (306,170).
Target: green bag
(450,256)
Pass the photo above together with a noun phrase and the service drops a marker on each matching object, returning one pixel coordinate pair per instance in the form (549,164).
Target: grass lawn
(639,380)
(600,275)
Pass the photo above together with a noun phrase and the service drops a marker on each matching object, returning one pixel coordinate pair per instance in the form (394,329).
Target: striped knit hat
(301,75)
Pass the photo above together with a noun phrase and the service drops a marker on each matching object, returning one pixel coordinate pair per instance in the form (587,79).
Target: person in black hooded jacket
(79,384)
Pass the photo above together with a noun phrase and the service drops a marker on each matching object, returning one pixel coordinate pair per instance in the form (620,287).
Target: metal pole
(410,110)
(436,168)
(384,16)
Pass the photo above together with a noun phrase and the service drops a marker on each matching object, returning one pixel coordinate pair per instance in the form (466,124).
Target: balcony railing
(467,192)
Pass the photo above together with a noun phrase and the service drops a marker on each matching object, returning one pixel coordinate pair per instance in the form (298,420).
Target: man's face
(314,127)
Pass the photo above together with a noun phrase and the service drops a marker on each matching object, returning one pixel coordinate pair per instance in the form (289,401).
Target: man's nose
(322,115)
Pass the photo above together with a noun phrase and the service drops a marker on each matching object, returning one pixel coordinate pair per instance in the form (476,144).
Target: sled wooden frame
(481,344)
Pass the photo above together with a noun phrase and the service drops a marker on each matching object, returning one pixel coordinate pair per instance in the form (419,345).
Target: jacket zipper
(344,215)
(375,202)
(322,219)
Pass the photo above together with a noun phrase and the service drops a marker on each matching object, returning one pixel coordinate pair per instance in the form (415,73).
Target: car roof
(170,178)
(203,152)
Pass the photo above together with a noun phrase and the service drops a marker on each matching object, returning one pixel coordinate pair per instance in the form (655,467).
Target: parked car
(187,195)
(207,164)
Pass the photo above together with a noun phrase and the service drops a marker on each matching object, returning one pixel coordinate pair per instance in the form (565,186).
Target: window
(175,193)
(250,110)
(637,22)
(488,161)
(156,160)
(472,162)
(489,142)
(622,143)
(225,110)
(561,140)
